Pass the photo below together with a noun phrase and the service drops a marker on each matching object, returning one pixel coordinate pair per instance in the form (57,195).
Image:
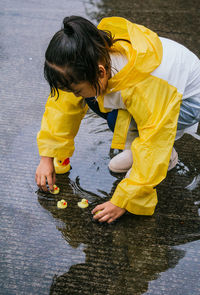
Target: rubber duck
(97,212)
(56,190)
(61,166)
(62,204)
(83,203)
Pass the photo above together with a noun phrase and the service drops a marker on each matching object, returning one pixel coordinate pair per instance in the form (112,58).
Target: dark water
(49,251)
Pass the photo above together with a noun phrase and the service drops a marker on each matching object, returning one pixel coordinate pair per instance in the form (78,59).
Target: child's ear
(102,71)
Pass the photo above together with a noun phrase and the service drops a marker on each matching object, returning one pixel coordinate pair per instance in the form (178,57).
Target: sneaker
(122,162)
(173,160)
(60,166)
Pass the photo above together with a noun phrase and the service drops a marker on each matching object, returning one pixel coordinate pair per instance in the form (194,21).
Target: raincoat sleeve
(157,124)
(60,124)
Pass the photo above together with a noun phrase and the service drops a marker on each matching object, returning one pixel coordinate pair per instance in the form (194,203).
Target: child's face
(85,89)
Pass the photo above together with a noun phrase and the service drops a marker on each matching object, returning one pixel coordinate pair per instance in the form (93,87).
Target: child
(146,87)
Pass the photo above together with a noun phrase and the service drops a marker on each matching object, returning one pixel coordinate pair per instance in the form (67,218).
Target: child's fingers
(99,214)
(98,208)
(104,218)
(43,183)
(110,220)
(37,179)
(50,182)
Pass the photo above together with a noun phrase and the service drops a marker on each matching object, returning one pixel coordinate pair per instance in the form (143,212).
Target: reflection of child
(136,81)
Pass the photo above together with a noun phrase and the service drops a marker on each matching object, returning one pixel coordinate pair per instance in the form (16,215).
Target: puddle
(194,184)
(49,251)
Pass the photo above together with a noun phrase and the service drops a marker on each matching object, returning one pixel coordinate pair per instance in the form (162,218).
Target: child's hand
(109,212)
(45,172)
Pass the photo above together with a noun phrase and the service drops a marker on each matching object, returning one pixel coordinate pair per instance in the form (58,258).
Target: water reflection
(126,255)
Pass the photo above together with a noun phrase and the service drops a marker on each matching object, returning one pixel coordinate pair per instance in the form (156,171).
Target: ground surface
(50,251)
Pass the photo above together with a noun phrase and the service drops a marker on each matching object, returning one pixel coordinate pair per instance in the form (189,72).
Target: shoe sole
(118,170)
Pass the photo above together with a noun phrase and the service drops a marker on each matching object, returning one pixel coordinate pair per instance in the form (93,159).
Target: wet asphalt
(44,250)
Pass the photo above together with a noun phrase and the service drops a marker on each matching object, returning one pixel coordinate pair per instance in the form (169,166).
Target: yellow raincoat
(152,102)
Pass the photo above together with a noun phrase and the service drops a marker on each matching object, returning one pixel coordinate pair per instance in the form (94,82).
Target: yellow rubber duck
(62,204)
(83,203)
(61,166)
(97,212)
(56,190)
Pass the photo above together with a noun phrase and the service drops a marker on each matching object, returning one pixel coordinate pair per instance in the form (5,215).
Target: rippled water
(49,251)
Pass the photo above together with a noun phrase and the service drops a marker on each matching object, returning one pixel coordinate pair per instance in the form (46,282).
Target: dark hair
(74,52)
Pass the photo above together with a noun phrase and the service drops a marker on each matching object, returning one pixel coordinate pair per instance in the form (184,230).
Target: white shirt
(180,68)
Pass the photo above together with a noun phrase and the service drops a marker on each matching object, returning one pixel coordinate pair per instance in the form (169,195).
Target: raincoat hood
(144,52)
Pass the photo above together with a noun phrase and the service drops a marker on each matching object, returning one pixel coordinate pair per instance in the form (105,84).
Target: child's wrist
(46,159)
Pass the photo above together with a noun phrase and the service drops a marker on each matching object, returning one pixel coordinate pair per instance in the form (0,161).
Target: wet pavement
(44,250)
